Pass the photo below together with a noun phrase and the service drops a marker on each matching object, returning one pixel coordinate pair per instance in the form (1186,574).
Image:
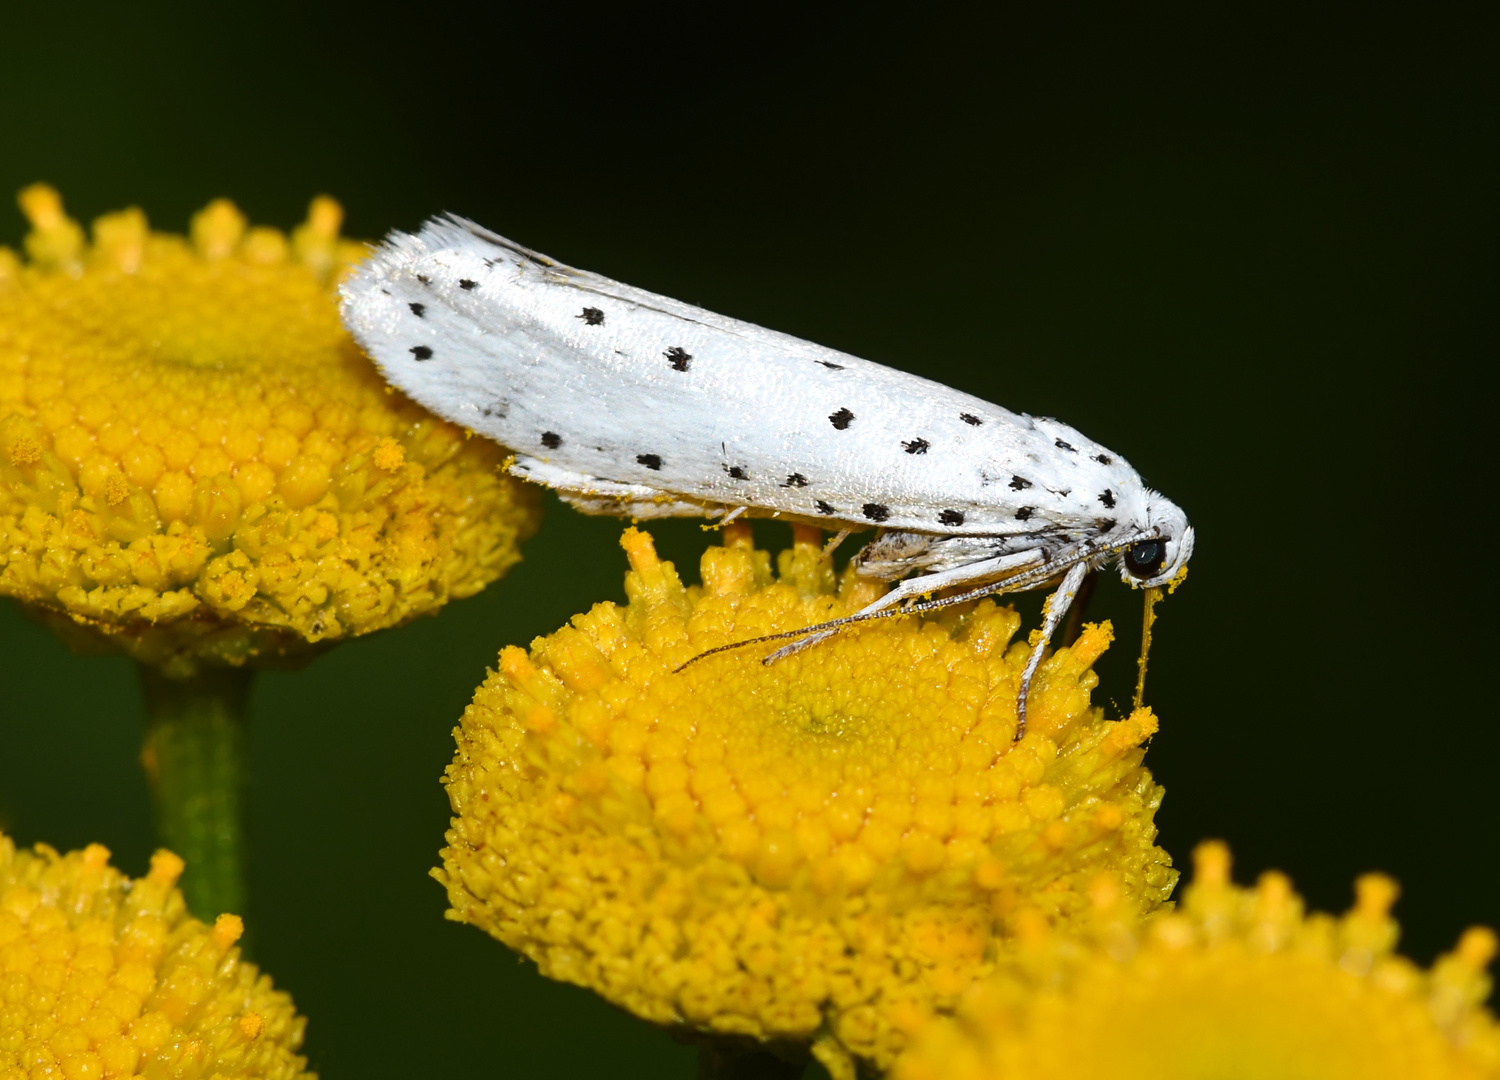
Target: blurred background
(1254,253)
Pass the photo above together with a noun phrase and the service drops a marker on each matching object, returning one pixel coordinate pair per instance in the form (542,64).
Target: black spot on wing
(970,419)
(1104,459)
(795,480)
(1065,446)
(831,366)
(1024,514)
(951,517)
(1108,499)
(421,352)
(737,471)
(679,357)
(877,511)
(417,309)
(916,446)
(651,461)
(591,316)
(551,440)
(1018,483)
(841,419)
(466,283)
(825,508)
(424,279)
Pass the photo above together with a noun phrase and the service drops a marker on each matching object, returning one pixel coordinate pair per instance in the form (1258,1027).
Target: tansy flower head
(102,976)
(1234,983)
(829,848)
(196,462)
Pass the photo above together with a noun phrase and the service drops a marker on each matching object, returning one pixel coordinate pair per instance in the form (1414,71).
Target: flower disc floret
(102,977)
(827,849)
(196,462)
(1234,982)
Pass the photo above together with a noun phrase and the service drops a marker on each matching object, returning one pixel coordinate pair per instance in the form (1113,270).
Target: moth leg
(596,495)
(725,516)
(911,588)
(1053,611)
(1080,606)
(968,574)
(834,542)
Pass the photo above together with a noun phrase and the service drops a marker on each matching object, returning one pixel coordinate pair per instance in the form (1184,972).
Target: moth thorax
(893,554)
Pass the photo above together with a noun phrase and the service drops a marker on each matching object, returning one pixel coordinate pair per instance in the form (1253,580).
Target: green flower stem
(195,762)
(725,1059)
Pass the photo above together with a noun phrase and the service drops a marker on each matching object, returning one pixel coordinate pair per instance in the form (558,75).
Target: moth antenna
(736,645)
(819,631)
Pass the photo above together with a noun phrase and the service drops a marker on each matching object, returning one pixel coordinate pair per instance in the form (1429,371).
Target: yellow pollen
(120,239)
(42,206)
(23,448)
(217,228)
(55,240)
(1104,893)
(252,1026)
(1273,891)
(1375,895)
(264,246)
(166,868)
(1211,864)
(104,977)
(227,930)
(197,465)
(1235,982)
(388,455)
(826,849)
(1477,946)
(316,242)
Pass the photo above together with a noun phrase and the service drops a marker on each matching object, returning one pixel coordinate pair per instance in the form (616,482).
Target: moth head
(1164,550)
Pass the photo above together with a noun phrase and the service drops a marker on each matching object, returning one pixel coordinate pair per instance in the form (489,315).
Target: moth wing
(579,370)
(609,382)
(404,319)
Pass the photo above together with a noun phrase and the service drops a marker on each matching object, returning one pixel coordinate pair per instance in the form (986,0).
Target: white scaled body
(636,404)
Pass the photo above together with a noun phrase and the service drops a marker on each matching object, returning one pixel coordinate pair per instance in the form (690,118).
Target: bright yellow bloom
(825,850)
(196,462)
(101,977)
(1235,983)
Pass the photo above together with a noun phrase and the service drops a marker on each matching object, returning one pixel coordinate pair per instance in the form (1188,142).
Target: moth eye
(1144,559)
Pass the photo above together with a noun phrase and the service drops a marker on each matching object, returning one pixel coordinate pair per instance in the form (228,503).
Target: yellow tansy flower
(198,465)
(827,850)
(102,976)
(1234,983)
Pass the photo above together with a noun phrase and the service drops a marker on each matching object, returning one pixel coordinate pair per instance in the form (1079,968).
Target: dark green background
(1253,252)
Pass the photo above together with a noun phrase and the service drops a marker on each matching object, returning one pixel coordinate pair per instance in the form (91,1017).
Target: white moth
(635,404)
